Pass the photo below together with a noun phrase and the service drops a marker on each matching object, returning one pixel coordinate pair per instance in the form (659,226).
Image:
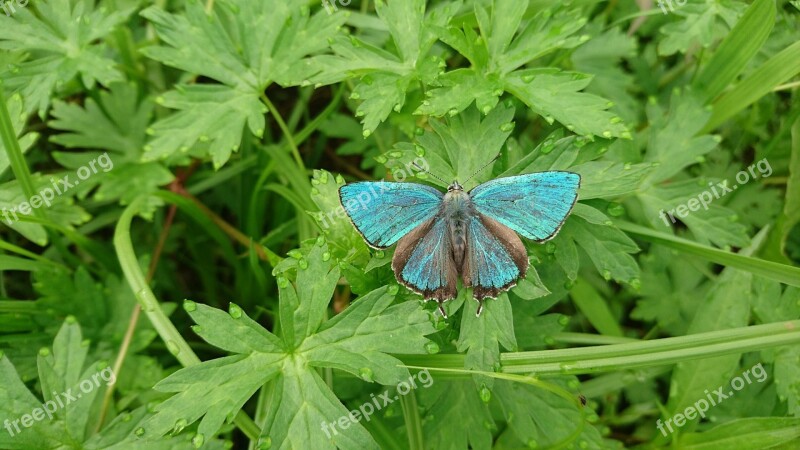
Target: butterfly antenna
(421,169)
(484,166)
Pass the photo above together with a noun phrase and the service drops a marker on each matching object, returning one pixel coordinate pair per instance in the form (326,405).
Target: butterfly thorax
(456,209)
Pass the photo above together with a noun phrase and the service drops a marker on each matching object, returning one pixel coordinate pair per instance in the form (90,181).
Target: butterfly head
(454,186)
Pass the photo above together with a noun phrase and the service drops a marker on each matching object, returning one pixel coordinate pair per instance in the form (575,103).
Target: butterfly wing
(384,212)
(423,261)
(495,257)
(534,205)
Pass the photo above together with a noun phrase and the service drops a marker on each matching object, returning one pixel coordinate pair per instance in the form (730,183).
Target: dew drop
(197,329)
(549,340)
(303,264)
(607,134)
(563,320)
(452,112)
(607,274)
(173,347)
(150,131)
(180,424)
(295,253)
(366,133)
(189,306)
(366,374)
(234,310)
(139,431)
(393,289)
(418,149)
(145,299)
(381,159)
(506,127)
(339,179)
(283,282)
(44,351)
(550,248)
(527,78)
(486,394)
(326,256)
(395,154)
(265,443)
(432,348)
(636,284)
(198,440)
(615,209)
(486,110)
(380,254)
(532,443)
(569,284)
(320,241)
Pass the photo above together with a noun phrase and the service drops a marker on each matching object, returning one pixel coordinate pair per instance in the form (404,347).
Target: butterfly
(472,234)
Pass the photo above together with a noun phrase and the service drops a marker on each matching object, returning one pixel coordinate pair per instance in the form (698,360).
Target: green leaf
(26,141)
(607,246)
(701,23)
(775,71)
(736,50)
(64,40)
(554,94)
(481,336)
(358,341)
(461,145)
(69,387)
(460,419)
(246,48)
(386,76)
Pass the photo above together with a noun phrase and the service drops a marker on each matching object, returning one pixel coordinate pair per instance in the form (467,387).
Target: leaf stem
(657,352)
(176,344)
(287,134)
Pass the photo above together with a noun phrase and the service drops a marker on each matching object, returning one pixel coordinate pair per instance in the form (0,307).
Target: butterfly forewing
(534,205)
(383,212)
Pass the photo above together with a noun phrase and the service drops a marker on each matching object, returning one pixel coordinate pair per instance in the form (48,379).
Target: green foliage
(229,127)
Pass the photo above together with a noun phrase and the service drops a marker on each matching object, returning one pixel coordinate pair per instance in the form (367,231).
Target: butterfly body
(472,235)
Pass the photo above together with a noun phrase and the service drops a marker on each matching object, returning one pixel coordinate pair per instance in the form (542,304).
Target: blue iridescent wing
(534,205)
(495,257)
(423,261)
(384,212)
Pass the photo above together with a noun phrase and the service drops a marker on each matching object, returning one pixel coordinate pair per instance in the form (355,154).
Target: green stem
(412,421)
(768,269)
(639,354)
(15,157)
(287,134)
(176,344)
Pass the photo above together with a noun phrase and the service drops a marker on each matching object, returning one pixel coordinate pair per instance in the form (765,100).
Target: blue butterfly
(472,234)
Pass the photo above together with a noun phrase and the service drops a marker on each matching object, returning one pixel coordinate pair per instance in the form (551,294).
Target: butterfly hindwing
(423,261)
(534,205)
(495,257)
(384,212)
